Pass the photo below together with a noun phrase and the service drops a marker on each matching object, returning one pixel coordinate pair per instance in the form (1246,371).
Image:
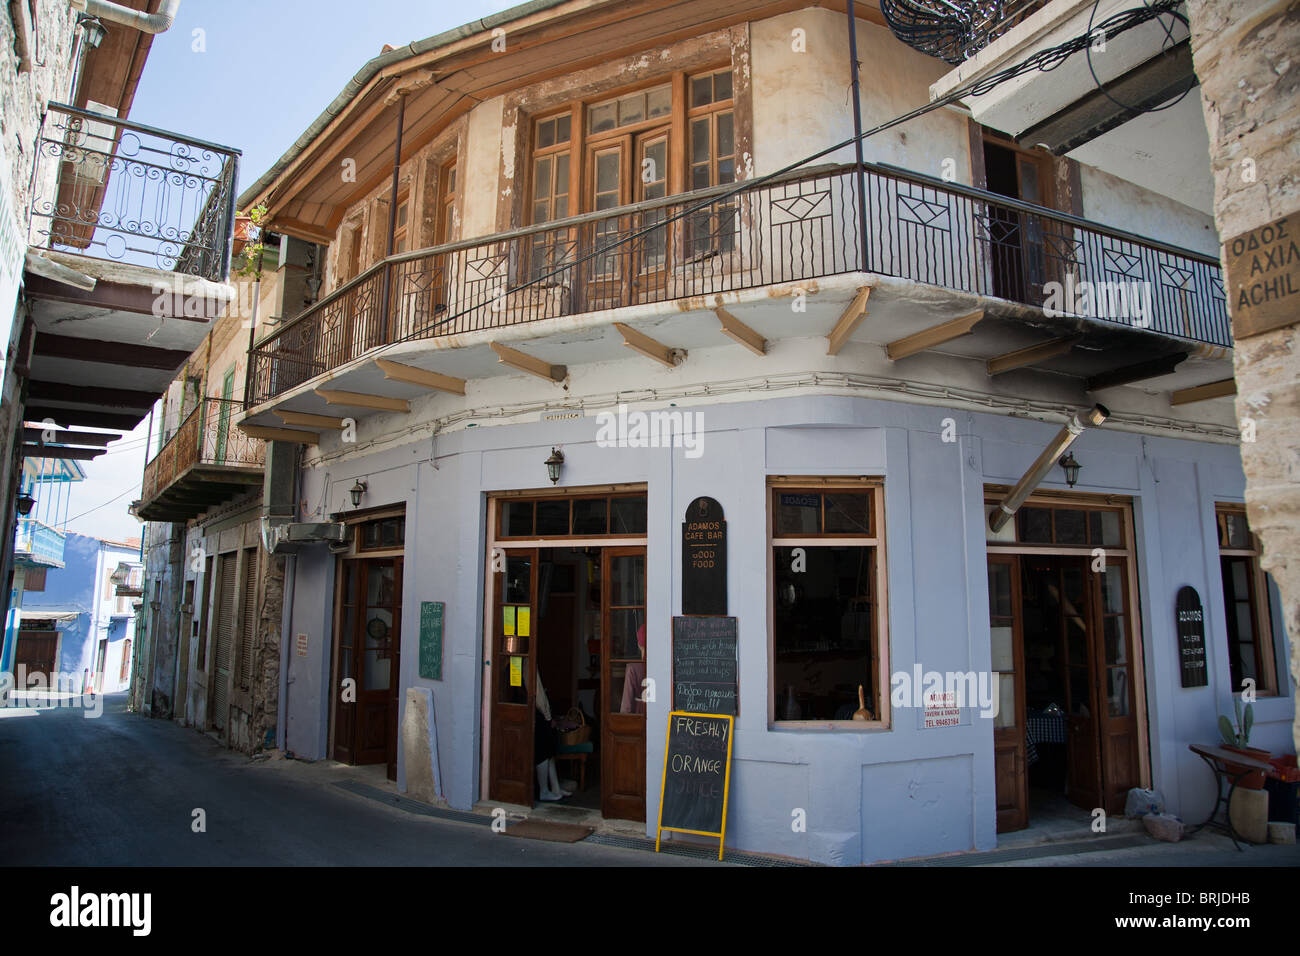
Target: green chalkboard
(431,639)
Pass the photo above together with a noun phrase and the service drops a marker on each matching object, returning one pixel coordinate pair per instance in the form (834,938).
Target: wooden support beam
(311,421)
(409,374)
(364,400)
(1199,393)
(108,353)
(267,433)
(740,332)
(1137,372)
(54,451)
(935,335)
(1032,354)
(650,348)
(36,414)
(853,315)
(91,394)
(37,436)
(527,363)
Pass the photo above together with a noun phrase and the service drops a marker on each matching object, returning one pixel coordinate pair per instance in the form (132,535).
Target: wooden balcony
(206,463)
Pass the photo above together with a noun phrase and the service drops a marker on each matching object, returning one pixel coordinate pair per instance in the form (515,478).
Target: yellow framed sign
(697,776)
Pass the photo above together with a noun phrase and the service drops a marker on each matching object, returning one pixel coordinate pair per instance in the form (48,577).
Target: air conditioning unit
(291,536)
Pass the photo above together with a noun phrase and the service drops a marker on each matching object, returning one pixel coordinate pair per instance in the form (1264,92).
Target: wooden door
(35,651)
(368,655)
(1074,602)
(607,188)
(226,596)
(512,678)
(652,252)
(1010,769)
(623,683)
(1115,694)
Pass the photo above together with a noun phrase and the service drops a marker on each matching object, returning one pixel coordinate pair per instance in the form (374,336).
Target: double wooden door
(367,656)
(620,171)
(35,651)
(512,681)
(1078,622)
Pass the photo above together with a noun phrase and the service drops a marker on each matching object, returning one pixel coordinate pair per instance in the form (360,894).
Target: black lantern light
(25,503)
(356,491)
(554,463)
(1071,468)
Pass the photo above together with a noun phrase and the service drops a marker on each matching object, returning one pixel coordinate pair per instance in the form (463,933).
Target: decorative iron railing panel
(797,228)
(207,436)
(38,540)
(108,188)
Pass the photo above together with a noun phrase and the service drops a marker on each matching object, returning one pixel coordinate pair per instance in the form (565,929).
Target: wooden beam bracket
(740,332)
(933,336)
(650,348)
(849,321)
(528,363)
(410,375)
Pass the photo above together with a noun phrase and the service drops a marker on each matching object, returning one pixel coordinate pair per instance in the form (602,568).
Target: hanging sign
(1189,619)
(697,776)
(704,558)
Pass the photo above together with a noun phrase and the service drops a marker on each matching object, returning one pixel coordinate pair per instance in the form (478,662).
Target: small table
(1219,760)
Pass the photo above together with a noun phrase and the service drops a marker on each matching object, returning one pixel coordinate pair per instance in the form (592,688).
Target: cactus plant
(1237,735)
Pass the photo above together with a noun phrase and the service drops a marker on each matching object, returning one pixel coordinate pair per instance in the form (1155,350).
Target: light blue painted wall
(867,796)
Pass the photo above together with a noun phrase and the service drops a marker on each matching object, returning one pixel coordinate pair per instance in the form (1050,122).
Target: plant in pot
(1236,737)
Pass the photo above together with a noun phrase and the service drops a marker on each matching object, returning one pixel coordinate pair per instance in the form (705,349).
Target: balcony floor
(896,308)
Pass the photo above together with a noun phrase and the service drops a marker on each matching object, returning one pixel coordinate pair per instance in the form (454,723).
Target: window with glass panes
(622,148)
(552,159)
(1247,594)
(827,591)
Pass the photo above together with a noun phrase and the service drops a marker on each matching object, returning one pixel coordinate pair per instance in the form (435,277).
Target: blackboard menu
(1189,619)
(697,774)
(704,558)
(431,613)
(704,665)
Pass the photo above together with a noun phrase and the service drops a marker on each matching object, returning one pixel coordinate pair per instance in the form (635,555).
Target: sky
(254,76)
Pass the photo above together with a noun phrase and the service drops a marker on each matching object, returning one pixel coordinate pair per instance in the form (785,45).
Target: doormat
(550,832)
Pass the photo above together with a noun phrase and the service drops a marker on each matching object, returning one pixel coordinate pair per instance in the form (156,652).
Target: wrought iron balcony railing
(799,227)
(207,437)
(38,543)
(108,188)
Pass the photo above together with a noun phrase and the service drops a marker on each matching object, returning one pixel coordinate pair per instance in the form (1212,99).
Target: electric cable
(1169,41)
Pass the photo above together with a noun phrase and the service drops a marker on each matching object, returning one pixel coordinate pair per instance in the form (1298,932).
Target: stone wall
(1247,56)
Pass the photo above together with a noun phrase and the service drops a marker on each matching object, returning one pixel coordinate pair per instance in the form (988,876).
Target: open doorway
(1069,734)
(567,634)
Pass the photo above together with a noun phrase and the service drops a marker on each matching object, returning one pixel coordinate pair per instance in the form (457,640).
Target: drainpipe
(152,23)
(1050,456)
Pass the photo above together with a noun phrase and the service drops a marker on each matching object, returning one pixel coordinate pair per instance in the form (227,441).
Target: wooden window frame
(676,122)
(1261,613)
(380,549)
(571,496)
(876,541)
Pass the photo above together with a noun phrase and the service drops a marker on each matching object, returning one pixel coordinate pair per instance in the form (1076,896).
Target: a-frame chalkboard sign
(697,776)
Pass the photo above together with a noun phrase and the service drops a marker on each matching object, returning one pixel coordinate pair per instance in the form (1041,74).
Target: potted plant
(1236,737)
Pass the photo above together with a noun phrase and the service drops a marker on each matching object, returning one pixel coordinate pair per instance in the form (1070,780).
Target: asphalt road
(121,790)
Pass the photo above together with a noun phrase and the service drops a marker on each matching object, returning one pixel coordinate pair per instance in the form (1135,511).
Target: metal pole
(392,215)
(857,130)
(1050,455)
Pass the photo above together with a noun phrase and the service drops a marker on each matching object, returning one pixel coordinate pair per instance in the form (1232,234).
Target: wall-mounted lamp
(554,464)
(356,491)
(25,503)
(1071,468)
(93,31)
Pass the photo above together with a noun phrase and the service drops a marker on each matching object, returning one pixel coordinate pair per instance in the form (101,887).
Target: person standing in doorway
(544,748)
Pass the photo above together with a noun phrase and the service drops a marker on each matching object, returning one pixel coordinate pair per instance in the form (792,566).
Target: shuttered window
(249,629)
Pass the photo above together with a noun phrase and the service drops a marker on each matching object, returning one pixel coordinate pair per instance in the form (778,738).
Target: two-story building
(953,418)
(115,236)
